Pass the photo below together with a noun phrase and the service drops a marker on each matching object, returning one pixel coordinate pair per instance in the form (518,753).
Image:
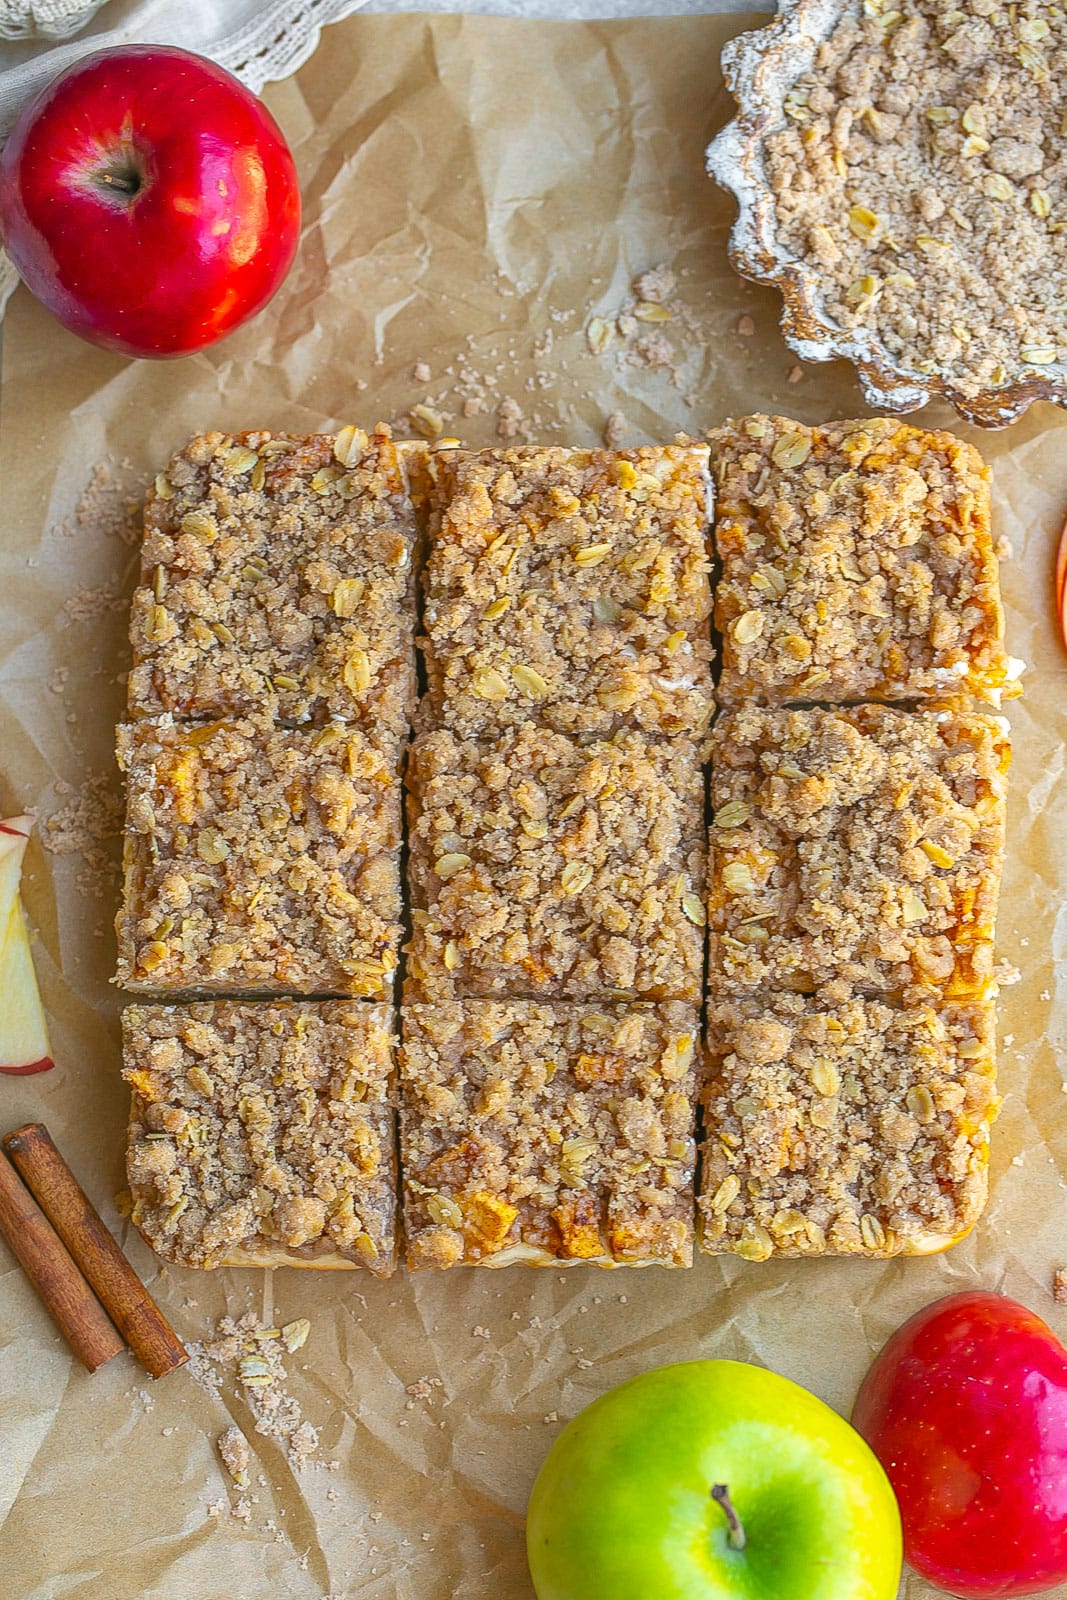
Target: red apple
(149,200)
(966,1408)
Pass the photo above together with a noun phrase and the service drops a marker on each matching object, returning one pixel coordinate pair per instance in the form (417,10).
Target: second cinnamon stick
(78,1223)
(47,1263)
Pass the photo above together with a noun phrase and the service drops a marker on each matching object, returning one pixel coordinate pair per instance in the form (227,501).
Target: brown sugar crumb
(860,1128)
(540,866)
(259,858)
(917,167)
(615,427)
(570,587)
(236,1456)
(276,579)
(861,846)
(1059,1286)
(262,1134)
(548,1134)
(656,286)
(508,418)
(857,563)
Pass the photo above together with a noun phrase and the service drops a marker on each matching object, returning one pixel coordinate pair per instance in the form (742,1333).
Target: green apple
(712,1480)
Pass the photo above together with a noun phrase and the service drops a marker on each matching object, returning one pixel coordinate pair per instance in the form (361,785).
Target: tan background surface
(470,185)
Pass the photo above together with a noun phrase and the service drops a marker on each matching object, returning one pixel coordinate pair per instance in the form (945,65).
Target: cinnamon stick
(40,1252)
(78,1223)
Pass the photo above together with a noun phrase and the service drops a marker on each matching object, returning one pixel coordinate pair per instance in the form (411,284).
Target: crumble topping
(858,1128)
(861,846)
(540,866)
(259,858)
(548,1134)
(571,588)
(857,563)
(262,1134)
(276,579)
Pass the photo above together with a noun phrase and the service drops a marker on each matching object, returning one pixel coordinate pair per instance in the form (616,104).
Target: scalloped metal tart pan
(759,68)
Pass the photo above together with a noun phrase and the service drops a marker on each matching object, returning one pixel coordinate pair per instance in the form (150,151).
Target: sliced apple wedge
(23,1035)
(14,833)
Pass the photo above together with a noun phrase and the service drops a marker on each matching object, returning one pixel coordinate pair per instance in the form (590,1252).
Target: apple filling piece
(260,858)
(856,846)
(548,1134)
(855,1128)
(541,866)
(857,564)
(263,1135)
(276,578)
(569,588)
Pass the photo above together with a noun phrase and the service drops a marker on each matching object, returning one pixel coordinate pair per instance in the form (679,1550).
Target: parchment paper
(476,190)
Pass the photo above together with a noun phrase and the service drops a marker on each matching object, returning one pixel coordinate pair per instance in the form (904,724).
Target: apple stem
(124,182)
(735,1537)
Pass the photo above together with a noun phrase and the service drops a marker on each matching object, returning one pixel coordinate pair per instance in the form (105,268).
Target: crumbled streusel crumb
(615,427)
(508,418)
(655,286)
(233,1448)
(1059,1286)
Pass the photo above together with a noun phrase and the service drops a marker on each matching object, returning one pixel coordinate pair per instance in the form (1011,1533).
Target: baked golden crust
(260,858)
(854,1128)
(548,1134)
(276,580)
(857,564)
(263,1134)
(544,867)
(856,846)
(570,588)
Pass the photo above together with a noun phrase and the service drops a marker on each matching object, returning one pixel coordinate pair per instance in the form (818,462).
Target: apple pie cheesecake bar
(260,858)
(860,846)
(570,588)
(540,866)
(548,1134)
(857,1127)
(276,579)
(263,1135)
(857,564)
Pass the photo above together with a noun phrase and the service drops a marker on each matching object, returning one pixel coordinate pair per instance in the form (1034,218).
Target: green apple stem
(735,1537)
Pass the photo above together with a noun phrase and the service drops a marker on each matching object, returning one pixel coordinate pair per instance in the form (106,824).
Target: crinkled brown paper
(475,191)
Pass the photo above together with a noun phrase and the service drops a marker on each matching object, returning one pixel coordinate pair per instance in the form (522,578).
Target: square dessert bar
(570,588)
(861,846)
(548,1134)
(858,1128)
(544,867)
(857,564)
(263,1135)
(259,859)
(276,578)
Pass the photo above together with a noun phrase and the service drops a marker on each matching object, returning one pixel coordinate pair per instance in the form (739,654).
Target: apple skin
(204,239)
(622,1510)
(966,1408)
